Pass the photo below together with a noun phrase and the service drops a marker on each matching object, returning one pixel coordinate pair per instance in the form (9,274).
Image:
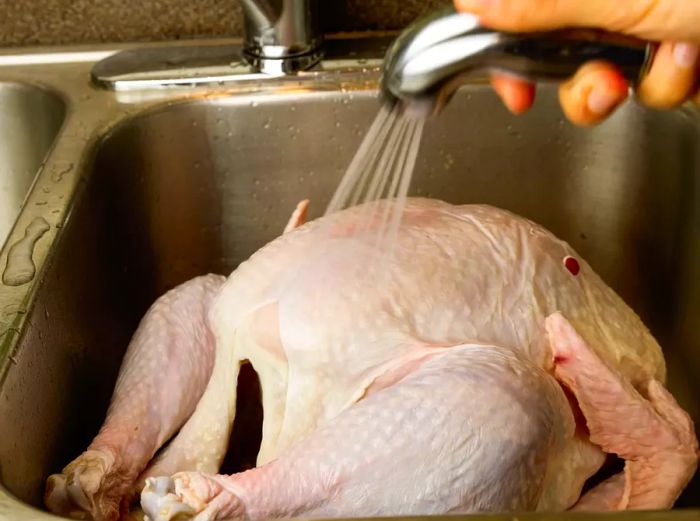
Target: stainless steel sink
(146,191)
(30,118)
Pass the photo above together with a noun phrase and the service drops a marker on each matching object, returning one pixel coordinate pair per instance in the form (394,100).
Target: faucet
(433,57)
(281,36)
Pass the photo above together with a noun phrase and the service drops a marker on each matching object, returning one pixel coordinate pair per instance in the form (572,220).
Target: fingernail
(686,55)
(601,100)
(474,6)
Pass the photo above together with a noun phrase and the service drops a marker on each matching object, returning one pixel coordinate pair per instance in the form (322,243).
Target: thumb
(649,19)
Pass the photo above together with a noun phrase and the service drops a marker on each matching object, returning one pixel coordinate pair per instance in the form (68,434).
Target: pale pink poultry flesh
(450,382)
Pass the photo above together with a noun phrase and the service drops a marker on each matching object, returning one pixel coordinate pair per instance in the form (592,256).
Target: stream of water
(381,170)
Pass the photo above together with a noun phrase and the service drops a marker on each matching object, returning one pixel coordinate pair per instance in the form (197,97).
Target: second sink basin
(30,119)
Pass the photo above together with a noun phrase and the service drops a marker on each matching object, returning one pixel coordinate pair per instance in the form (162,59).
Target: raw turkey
(481,367)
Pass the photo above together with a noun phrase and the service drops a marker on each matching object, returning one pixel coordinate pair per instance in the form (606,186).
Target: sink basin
(30,119)
(191,186)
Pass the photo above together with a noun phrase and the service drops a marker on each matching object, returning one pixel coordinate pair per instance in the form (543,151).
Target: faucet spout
(260,13)
(281,36)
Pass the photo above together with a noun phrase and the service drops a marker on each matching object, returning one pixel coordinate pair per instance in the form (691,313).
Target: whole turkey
(483,366)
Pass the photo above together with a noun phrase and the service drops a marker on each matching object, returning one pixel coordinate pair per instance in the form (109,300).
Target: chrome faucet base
(281,39)
(263,63)
(223,63)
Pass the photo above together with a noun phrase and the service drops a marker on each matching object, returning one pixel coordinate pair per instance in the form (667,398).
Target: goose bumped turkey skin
(488,369)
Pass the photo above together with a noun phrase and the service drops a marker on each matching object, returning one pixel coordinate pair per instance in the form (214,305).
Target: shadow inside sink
(30,119)
(198,187)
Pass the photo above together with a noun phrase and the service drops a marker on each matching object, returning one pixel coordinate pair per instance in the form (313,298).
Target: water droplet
(57,176)
(20,267)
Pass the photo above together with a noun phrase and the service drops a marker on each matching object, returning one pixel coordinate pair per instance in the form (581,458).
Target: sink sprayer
(434,56)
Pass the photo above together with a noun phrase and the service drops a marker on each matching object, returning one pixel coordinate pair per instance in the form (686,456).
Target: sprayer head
(433,57)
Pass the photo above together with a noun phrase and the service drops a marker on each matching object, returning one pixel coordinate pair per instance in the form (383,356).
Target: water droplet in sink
(58,176)
(20,267)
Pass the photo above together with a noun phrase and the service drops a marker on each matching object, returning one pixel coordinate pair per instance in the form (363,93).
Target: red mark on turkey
(572,265)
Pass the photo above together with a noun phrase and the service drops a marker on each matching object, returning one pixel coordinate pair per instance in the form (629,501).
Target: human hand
(598,87)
